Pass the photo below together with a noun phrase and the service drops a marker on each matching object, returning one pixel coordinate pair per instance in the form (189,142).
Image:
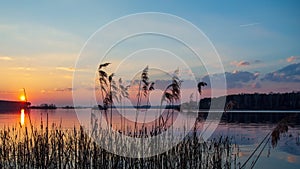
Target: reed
(274,135)
(55,147)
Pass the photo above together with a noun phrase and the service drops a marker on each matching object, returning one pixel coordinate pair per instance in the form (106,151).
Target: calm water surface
(246,129)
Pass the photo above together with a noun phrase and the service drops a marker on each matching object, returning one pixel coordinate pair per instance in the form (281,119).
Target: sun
(22,98)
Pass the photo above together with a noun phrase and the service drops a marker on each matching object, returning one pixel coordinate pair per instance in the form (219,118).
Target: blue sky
(264,22)
(42,39)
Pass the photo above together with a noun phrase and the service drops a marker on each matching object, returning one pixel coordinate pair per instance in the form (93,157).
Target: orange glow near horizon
(22,118)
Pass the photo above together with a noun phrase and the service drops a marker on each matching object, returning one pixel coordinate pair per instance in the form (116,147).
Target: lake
(247,129)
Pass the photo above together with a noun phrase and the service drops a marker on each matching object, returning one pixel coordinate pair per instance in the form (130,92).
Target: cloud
(256,85)
(290,73)
(24,68)
(43,91)
(256,74)
(5,58)
(250,24)
(240,64)
(235,79)
(68,89)
(68,69)
(292,59)
(257,61)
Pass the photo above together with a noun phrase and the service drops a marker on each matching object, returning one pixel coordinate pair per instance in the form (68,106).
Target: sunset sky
(258,42)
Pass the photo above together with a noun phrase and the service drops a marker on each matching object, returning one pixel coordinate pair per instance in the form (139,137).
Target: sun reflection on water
(22,119)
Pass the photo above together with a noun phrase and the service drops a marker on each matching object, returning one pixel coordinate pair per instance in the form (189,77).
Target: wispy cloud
(257,61)
(23,68)
(5,58)
(240,64)
(67,89)
(256,85)
(250,24)
(69,69)
(292,59)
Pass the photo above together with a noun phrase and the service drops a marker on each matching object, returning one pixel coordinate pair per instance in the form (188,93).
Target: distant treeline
(259,101)
(44,106)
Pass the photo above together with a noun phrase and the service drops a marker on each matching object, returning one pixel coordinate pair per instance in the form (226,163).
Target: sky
(258,43)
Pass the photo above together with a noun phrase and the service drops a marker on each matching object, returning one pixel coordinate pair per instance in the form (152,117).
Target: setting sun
(22,98)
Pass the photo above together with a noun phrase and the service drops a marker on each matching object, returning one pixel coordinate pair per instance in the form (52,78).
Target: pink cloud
(256,85)
(241,63)
(292,59)
(256,74)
